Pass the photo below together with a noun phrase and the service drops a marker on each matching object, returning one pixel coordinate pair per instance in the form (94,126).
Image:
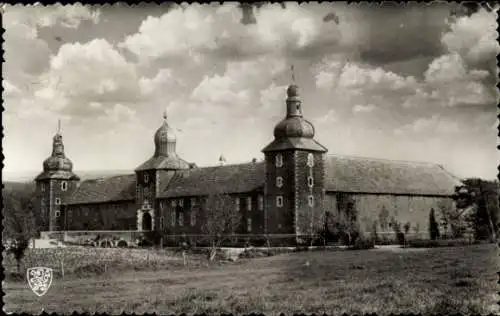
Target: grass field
(382,281)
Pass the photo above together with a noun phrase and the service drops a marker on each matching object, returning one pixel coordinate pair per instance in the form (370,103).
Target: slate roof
(365,175)
(342,174)
(294,143)
(58,174)
(110,189)
(215,180)
(162,162)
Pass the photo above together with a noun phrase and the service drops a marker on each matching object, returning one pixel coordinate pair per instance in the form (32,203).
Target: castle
(291,192)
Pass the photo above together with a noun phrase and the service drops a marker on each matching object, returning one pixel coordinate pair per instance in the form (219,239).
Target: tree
(453,217)
(221,220)
(20,221)
(482,198)
(433,226)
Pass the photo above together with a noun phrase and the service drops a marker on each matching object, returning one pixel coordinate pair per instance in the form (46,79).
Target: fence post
(62,268)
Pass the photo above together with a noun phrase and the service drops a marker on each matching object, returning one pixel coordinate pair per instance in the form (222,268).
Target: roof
(294,143)
(365,175)
(111,189)
(163,162)
(215,180)
(342,174)
(58,174)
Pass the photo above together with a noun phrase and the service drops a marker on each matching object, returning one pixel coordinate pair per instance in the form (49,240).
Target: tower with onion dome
(154,174)
(294,174)
(54,185)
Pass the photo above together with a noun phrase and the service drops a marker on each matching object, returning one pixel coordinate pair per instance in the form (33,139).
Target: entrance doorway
(146,221)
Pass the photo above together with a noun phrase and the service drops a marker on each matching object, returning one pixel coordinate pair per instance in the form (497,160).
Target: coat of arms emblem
(39,279)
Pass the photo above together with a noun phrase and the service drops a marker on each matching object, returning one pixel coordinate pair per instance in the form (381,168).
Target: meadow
(383,281)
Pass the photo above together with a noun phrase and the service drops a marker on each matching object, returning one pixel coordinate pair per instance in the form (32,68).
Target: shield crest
(39,279)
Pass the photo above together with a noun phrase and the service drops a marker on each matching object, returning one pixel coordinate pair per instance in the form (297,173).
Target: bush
(433,226)
(362,243)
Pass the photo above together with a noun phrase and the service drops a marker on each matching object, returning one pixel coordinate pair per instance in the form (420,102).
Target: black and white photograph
(251,157)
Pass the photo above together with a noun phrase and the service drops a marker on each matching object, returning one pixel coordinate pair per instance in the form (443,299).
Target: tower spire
(165,114)
(59,126)
(292,68)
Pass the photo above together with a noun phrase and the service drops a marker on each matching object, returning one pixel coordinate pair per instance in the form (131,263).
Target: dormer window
(310,160)
(279,182)
(279,160)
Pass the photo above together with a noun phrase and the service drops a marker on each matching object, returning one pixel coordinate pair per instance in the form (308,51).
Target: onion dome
(57,166)
(294,131)
(164,140)
(58,160)
(165,156)
(294,125)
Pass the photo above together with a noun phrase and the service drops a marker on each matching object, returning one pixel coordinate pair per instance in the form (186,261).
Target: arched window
(310,160)
(279,182)
(310,181)
(64,186)
(279,160)
(261,203)
(310,200)
(193,217)
(279,201)
(181,219)
(58,201)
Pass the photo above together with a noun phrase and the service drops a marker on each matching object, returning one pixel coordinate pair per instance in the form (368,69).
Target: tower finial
(165,114)
(59,126)
(292,68)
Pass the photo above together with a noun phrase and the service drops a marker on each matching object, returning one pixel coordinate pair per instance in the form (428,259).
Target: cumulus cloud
(217,30)
(473,37)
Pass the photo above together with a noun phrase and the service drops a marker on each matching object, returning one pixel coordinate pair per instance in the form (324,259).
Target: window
(64,186)
(310,181)
(42,187)
(172,218)
(279,182)
(57,213)
(310,200)
(310,160)
(237,201)
(58,201)
(193,202)
(146,178)
(193,218)
(249,203)
(146,192)
(279,160)
(181,219)
(249,224)
(174,203)
(162,206)
(261,203)
(279,201)
(161,222)
(181,202)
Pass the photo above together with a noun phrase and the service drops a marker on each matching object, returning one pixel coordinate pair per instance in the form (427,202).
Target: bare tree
(19,222)
(221,220)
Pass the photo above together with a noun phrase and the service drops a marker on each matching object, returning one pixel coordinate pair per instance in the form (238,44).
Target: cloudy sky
(408,83)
